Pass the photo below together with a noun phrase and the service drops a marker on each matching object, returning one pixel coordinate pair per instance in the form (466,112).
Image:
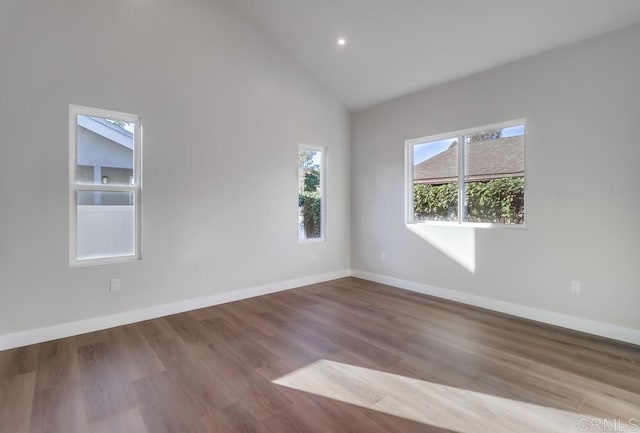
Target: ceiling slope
(395,47)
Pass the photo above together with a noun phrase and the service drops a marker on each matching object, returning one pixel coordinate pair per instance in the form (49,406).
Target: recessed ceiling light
(342,41)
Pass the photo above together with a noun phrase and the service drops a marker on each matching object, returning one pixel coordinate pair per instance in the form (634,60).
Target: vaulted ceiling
(395,47)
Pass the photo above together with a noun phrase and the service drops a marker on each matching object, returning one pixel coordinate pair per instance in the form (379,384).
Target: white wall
(223,113)
(582,105)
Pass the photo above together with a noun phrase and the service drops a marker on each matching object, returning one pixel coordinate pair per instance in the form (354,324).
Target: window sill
(311,241)
(468,225)
(104,261)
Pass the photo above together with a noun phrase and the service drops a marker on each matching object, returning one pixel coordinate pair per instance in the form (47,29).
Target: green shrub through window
(310,206)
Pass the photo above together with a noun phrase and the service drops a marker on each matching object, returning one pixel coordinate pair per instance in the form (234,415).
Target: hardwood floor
(342,356)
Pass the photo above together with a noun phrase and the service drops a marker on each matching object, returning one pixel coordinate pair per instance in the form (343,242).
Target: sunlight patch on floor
(455,409)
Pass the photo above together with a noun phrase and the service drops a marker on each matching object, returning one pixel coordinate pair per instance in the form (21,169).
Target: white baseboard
(33,336)
(602,329)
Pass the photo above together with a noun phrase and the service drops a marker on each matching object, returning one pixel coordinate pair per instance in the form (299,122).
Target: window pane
(309,194)
(105,224)
(494,176)
(435,181)
(104,151)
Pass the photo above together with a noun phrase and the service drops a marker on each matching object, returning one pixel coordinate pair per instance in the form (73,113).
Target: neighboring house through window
(474,176)
(105,185)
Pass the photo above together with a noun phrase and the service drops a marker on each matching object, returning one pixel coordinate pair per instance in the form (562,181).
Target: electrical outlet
(383,256)
(114,285)
(576,287)
(312,257)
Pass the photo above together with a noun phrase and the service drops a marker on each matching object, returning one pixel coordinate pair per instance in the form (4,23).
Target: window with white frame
(475,176)
(104,185)
(311,200)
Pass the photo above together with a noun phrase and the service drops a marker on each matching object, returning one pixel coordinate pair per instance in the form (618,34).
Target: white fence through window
(105,231)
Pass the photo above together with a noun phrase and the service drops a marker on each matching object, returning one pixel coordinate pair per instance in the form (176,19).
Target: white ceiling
(395,47)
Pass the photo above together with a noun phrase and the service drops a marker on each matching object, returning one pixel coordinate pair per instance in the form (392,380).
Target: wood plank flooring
(343,356)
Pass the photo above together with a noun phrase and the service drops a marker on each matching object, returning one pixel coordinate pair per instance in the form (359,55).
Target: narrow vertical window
(311,206)
(105,185)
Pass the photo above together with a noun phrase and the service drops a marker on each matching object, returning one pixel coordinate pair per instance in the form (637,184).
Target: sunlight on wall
(455,409)
(457,243)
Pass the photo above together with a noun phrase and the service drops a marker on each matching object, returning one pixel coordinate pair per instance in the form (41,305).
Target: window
(105,185)
(311,201)
(474,176)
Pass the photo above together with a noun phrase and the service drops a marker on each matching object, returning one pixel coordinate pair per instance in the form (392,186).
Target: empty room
(299,216)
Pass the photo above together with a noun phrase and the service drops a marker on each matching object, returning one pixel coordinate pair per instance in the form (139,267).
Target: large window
(105,185)
(311,206)
(469,177)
